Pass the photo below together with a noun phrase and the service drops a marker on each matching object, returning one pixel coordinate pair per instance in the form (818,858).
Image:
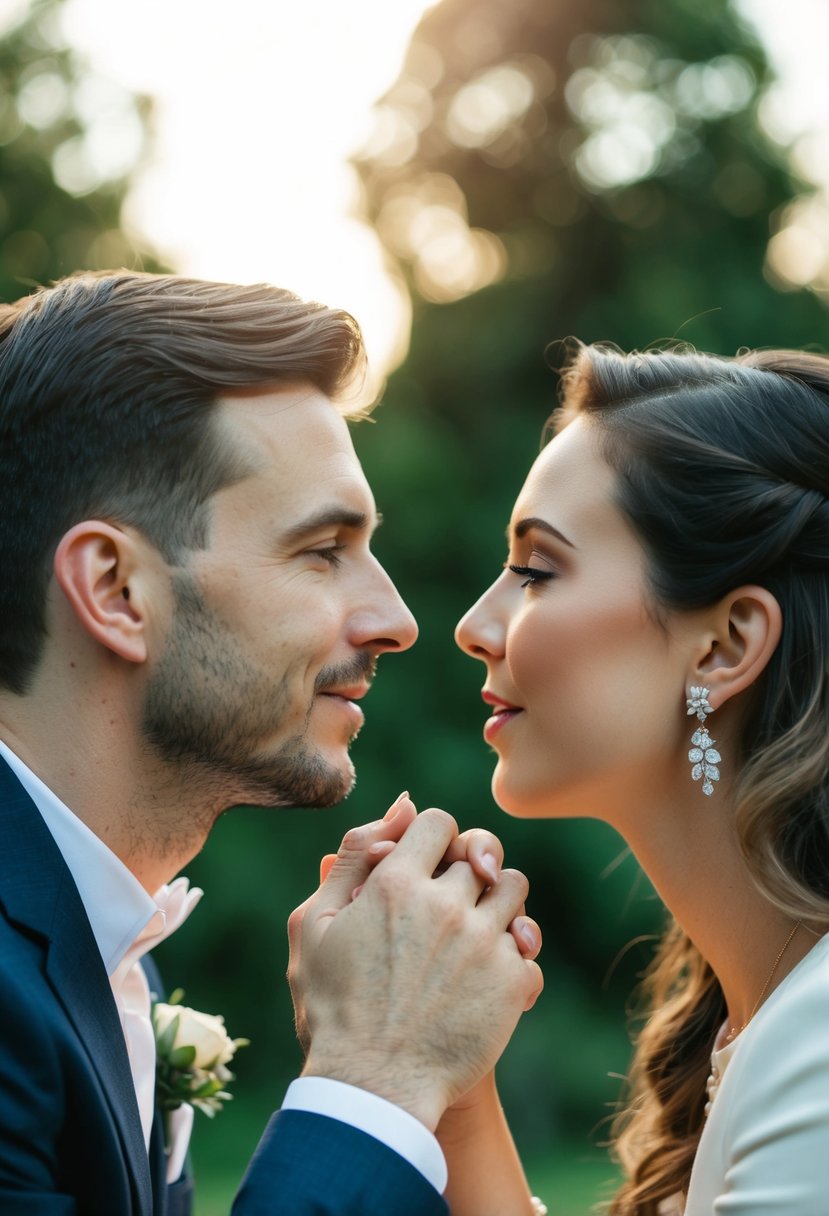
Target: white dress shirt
(120,911)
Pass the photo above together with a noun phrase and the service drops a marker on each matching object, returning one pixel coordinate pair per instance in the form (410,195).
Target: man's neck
(153,819)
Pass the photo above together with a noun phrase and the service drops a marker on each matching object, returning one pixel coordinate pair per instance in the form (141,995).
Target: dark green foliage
(46,114)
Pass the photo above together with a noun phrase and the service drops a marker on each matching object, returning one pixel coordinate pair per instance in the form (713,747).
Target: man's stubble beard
(207,706)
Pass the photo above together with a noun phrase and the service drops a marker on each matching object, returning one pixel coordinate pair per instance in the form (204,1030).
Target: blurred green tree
(541,170)
(69,140)
(604,160)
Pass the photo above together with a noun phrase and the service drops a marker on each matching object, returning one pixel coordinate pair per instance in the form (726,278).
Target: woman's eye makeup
(531,574)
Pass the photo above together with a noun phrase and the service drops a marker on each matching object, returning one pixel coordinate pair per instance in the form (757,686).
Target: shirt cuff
(375,1116)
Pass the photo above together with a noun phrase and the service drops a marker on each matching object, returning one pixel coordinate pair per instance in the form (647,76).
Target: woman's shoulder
(807,983)
(789,1032)
(768,1130)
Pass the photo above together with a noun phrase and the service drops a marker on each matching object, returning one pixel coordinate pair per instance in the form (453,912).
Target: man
(189,613)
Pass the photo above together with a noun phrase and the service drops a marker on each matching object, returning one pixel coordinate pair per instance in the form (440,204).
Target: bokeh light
(255,111)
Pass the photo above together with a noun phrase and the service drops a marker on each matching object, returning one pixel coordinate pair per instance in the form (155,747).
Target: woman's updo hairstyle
(722,469)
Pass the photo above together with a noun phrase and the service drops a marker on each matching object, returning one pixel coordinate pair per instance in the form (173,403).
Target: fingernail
(392,811)
(528,937)
(357,891)
(489,865)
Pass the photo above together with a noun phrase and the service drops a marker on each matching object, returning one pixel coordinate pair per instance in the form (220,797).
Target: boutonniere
(193,1051)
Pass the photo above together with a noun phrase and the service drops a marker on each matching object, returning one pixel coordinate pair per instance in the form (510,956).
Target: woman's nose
(480,632)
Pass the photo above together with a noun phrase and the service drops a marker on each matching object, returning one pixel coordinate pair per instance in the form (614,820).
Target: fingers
(477,846)
(535,981)
(425,842)
(527,936)
(375,852)
(505,901)
(482,849)
(353,862)
(464,881)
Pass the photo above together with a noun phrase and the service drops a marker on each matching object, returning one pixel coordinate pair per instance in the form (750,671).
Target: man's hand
(413,989)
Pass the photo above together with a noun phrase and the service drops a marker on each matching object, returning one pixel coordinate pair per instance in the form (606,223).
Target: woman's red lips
(498,702)
(503,712)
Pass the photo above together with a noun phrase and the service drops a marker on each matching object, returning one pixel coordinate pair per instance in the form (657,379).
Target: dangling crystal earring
(703,755)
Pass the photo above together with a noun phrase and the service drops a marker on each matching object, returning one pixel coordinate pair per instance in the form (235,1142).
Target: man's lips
(345,700)
(354,693)
(502,713)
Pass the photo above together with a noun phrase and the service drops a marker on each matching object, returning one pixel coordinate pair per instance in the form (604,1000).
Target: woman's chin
(523,801)
(517,802)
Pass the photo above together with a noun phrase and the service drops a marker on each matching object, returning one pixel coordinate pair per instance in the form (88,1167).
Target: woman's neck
(692,858)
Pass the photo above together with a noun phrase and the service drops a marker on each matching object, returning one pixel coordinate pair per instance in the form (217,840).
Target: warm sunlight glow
(257,106)
(794,112)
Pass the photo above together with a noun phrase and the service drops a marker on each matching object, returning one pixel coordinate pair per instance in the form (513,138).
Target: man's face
(278,623)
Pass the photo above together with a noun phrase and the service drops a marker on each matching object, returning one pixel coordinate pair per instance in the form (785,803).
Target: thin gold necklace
(732,1034)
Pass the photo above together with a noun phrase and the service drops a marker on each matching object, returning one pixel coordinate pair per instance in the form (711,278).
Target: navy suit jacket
(70,1134)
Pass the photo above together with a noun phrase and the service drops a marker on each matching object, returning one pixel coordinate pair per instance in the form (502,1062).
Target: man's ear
(742,633)
(96,567)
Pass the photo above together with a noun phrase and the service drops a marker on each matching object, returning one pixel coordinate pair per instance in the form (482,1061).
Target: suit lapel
(37,891)
(158,1164)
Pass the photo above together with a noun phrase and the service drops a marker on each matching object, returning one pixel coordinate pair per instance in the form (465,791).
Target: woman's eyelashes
(532,575)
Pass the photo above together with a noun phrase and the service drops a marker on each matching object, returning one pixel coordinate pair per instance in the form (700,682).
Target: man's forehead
(283,411)
(302,469)
(280,431)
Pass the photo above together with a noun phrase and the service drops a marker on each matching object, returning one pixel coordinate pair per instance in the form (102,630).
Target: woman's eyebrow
(524,525)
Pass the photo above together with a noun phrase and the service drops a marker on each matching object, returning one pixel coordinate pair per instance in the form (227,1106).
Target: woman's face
(587,690)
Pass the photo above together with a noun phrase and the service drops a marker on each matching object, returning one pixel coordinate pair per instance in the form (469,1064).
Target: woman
(657,654)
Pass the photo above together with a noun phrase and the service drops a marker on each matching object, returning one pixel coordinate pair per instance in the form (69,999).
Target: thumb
(353,862)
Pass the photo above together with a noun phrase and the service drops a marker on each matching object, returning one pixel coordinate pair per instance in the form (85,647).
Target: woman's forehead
(569,477)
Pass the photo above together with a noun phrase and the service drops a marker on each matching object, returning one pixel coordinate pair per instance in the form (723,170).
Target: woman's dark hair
(108,389)
(722,468)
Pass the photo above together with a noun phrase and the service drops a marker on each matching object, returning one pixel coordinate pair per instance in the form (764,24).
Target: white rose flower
(204,1031)
(193,1050)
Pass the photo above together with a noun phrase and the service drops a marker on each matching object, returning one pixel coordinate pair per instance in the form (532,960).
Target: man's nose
(386,624)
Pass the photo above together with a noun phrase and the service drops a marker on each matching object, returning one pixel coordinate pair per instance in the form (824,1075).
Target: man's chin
(307,781)
(335,788)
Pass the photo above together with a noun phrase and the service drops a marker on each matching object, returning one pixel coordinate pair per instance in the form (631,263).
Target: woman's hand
(481,849)
(485,1174)
(421,957)
(486,1177)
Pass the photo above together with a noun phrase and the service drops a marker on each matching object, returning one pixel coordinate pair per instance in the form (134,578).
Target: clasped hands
(413,961)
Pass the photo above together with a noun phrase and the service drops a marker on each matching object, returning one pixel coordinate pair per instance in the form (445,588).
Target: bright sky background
(259,102)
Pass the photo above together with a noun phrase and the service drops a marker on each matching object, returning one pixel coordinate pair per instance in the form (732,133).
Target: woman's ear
(96,567)
(743,632)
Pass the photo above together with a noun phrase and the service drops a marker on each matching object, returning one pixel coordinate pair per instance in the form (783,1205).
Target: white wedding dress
(764,1150)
